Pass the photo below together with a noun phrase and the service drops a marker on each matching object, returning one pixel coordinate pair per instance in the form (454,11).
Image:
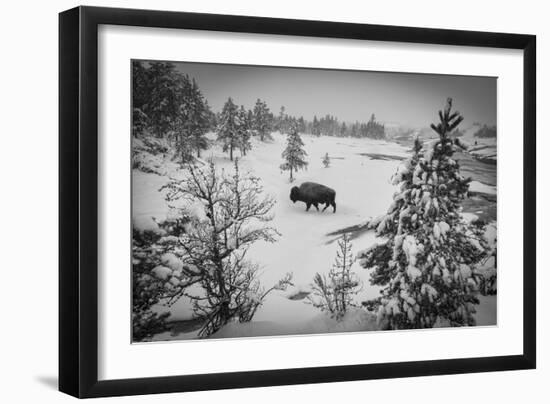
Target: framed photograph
(251,201)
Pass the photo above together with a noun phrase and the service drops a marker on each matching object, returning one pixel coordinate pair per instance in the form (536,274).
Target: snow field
(363,190)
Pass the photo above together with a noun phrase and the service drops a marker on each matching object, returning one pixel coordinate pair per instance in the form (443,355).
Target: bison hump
(315,188)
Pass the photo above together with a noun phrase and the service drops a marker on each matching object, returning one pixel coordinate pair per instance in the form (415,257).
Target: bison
(314,194)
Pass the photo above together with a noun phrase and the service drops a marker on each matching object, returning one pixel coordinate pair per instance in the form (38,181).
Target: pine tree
(426,263)
(294,155)
(261,120)
(157,276)
(192,120)
(162,99)
(243,129)
(228,131)
(316,130)
(301,125)
(326,161)
(169,104)
(335,294)
(343,129)
(373,129)
(141,89)
(200,119)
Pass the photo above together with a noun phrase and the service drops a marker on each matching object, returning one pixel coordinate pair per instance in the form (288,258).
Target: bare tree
(231,216)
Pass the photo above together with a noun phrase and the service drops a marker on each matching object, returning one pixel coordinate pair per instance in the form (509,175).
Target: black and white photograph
(273,201)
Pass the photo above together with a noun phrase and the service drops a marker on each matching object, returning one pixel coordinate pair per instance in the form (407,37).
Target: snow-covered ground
(363,190)
(476,186)
(480,147)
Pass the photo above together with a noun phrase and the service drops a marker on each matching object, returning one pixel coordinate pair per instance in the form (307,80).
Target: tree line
(167,103)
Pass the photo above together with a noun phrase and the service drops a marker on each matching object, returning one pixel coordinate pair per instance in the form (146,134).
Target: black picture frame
(78,200)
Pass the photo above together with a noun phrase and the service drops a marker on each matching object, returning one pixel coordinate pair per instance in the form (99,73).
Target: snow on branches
(234,131)
(425,265)
(294,155)
(233,216)
(169,105)
(262,120)
(158,275)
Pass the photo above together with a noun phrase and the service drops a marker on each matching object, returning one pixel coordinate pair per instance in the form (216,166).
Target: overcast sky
(408,99)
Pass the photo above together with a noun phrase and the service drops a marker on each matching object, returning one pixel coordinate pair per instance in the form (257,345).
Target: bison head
(294,194)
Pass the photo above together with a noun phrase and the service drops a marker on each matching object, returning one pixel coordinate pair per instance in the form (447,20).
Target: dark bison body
(314,194)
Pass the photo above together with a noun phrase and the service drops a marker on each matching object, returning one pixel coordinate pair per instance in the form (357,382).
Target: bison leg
(308,205)
(316,206)
(334,207)
(327,204)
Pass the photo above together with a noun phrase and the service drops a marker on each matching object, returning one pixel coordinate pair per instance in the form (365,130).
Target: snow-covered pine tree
(192,120)
(169,104)
(426,262)
(200,119)
(147,290)
(261,120)
(228,130)
(141,90)
(335,294)
(161,103)
(243,129)
(294,155)
(231,215)
(326,161)
(139,122)
(157,276)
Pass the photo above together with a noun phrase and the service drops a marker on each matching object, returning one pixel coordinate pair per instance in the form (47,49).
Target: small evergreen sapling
(426,263)
(335,294)
(294,155)
(326,161)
